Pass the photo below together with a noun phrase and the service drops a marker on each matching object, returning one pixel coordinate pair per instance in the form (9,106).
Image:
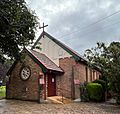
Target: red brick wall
(80,72)
(24,90)
(65,81)
(73,71)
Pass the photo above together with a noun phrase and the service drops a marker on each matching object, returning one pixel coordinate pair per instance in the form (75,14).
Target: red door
(51,85)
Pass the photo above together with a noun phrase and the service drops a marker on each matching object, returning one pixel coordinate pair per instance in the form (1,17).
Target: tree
(97,57)
(3,70)
(107,59)
(17,27)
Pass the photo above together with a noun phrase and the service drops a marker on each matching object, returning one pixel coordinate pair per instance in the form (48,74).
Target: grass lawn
(2,92)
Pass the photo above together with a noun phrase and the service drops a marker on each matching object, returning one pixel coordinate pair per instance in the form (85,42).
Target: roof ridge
(76,53)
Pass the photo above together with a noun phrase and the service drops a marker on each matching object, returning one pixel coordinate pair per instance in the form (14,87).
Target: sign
(41,81)
(77,82)
(53,80)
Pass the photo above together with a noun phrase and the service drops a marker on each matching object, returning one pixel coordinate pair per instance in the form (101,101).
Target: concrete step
(58,100)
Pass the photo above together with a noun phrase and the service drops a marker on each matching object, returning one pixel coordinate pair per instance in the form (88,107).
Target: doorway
(51,85)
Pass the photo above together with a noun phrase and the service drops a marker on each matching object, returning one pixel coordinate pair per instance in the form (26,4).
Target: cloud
(67,20)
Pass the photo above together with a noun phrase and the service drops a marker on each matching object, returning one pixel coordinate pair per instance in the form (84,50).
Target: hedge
(102,82)
(94,91)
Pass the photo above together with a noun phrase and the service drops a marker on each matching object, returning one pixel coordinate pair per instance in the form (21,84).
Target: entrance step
(59,100)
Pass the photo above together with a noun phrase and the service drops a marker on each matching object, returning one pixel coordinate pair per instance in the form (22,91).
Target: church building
(50,68)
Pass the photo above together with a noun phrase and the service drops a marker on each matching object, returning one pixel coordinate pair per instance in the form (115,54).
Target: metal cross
(43,28)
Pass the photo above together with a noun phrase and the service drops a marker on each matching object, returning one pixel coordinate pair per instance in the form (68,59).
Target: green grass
(2,92)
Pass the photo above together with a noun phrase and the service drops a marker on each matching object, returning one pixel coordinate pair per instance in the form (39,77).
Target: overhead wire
(87,33)
(87,26)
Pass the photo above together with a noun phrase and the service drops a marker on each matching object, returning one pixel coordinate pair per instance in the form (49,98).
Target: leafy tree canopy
(107,59)
(17,27)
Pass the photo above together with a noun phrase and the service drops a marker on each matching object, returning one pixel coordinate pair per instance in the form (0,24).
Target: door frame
(51,85)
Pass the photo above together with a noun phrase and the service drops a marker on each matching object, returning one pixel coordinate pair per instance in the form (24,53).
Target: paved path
(25,107)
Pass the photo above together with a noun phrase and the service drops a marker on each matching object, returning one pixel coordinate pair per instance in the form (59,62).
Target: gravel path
(25,107)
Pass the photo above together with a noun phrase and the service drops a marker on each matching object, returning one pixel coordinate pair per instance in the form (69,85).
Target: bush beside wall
(83,93)
(104,86)
(102,82)
(95,91)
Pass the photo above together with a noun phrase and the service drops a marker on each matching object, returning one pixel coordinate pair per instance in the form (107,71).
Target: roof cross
(43,28)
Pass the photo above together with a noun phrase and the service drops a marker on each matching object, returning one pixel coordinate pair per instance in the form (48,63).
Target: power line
(87,33)
(100,20)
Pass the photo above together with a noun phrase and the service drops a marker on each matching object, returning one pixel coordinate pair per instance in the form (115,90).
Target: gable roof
(69,50)
(45,61)
(42,60)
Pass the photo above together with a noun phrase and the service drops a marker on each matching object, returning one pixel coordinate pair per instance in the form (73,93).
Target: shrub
(109,90)
(104,86)
(94,91)
(102,82)
(83,93)
(104,78)
(2,92)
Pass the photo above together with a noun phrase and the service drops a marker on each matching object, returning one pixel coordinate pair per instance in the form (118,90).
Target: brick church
(53,66)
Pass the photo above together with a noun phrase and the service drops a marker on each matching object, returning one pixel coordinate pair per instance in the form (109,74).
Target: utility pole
(43,28)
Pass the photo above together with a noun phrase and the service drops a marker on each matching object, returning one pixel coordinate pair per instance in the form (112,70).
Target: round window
(25,73)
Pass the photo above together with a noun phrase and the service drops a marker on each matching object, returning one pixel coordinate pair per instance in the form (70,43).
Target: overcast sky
(68,20)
